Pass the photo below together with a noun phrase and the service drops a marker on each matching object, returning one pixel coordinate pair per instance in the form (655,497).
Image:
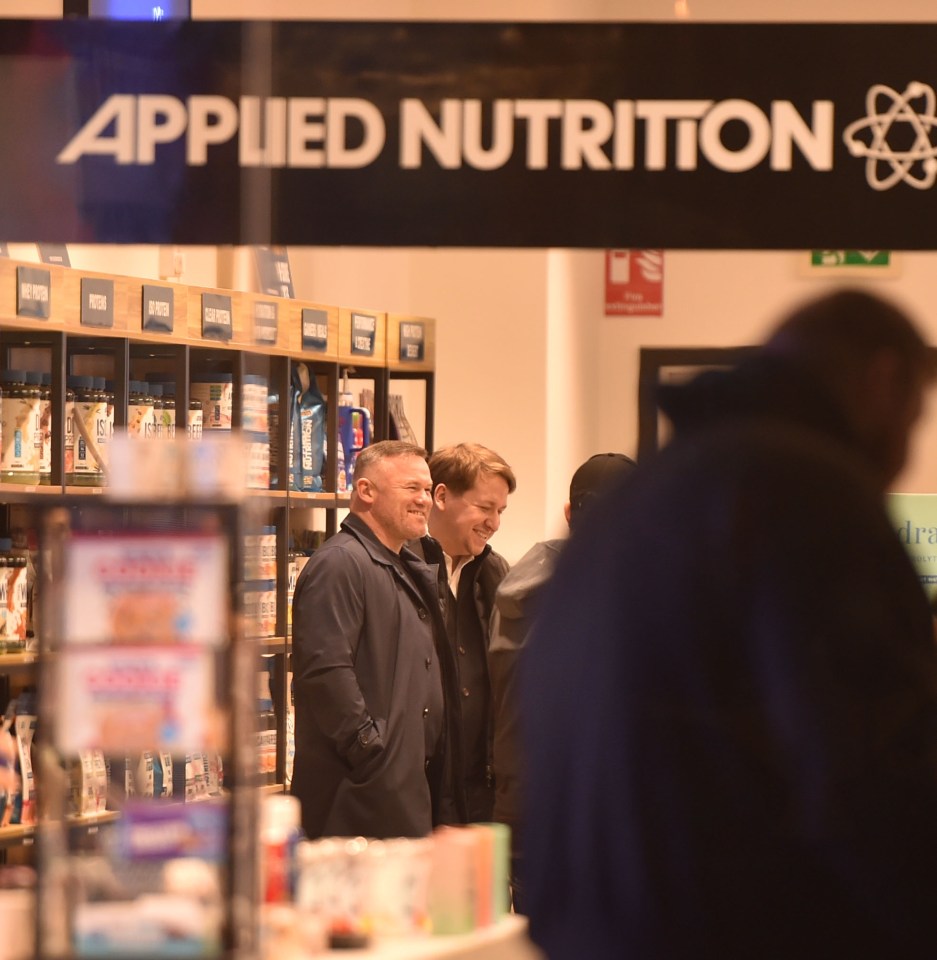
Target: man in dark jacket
(471,485)
(370,662)
(739,755)
(512,618)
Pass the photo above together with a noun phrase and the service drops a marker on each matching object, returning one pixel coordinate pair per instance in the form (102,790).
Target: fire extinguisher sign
(634,283)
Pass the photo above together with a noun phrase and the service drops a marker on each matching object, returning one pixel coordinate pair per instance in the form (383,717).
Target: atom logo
(916,164)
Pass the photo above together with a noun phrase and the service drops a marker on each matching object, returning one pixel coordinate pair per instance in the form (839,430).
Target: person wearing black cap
(730,693)
(514,607)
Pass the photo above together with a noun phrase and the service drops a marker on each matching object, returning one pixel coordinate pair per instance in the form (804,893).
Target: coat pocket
(366,756)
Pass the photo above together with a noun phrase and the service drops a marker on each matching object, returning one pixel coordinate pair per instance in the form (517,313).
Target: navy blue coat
(369,650)
(730,702)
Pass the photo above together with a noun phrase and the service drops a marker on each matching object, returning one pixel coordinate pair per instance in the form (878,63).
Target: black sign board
(265,322)
(33,292)
(217,318)
(273,267)
(54,253)
(604,135)
(315,330)
(412,339)
(158,308)
(363,330)
(97,302)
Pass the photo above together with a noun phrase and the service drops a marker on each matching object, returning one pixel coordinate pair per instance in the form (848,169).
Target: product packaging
(307,431)
(214,391)
(25,726)
(454,880)
(280,834)
(354,430)
(20,416)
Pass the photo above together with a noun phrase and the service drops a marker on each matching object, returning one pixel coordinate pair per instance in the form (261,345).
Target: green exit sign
(850,258)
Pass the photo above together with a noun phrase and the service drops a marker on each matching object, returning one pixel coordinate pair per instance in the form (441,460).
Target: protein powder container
(167,412)
(68,467)
(89,418)
(19,424)
(214,393)
(44,427)
(141,420)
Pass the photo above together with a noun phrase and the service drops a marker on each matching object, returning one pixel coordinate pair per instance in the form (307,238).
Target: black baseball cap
(597,473)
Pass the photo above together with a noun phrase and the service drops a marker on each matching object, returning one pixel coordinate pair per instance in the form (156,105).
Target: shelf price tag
(217,321)
(412,339)
(97,302)
(33,292)
(363,328)
(158,309)
(315,330)
(265,322)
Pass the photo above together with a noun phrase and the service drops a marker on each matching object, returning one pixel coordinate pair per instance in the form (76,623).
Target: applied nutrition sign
(629,135)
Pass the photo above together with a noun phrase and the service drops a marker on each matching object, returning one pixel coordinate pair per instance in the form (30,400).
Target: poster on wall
(914,518)
(577,134)
(634,283)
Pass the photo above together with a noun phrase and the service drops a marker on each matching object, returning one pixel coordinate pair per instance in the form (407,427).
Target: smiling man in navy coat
(371,664)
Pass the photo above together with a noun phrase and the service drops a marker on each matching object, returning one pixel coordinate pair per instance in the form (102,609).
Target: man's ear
(364,490)
(440,496)
(567,511)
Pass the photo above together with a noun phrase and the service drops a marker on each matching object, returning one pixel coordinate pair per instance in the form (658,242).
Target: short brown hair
(384,450)
(459,466)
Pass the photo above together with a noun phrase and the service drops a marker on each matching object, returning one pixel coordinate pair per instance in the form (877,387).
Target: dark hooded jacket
(730,700)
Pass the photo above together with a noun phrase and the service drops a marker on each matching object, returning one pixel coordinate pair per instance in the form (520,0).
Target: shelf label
(217,322)
(56,253)
(273,265)
(363,328)
(315,330)
(412,338)
(265,322)
(158,308)
(97,302)
(33,292)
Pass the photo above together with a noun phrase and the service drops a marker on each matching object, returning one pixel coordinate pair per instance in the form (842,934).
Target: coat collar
(414,561)
(431,551)
(355,526)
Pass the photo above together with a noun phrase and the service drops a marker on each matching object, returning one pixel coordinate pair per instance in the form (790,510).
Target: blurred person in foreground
(471,485)
(739,755)
(516,601)
(371,663)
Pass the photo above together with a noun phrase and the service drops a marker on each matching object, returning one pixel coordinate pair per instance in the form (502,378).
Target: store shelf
(332,341)
(270,644)
(15,662)
(91,821)
(321,499)
(16,835)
